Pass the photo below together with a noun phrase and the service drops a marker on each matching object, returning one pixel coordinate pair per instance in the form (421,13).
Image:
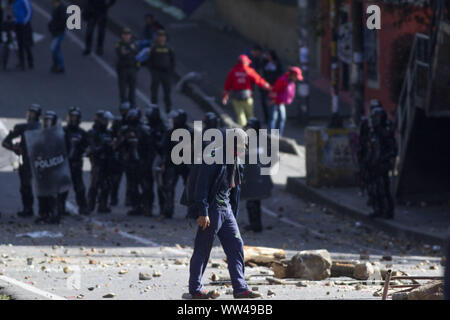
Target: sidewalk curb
(196,94)
(298,187)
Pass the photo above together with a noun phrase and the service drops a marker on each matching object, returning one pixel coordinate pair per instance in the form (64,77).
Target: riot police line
(134,147)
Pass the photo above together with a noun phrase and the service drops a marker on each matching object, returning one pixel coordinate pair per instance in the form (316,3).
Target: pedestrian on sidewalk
(57,28)
(212,198)
(283,94)
(126,50)
(23,13)
(239,84)
(161,63)
(96,14)
(272,69)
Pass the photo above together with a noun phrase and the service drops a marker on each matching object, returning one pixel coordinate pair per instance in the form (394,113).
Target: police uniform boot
(26,213)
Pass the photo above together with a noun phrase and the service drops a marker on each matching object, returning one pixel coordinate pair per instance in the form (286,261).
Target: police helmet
(153,114)
(211,121)
(34,112)
(133,117)
(253,123)
(50,119)
(74,116)
(101,119)
(124,108)
(178,117)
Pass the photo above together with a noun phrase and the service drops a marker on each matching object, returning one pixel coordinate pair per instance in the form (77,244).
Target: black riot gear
(74,117)
(34,113)
(100,151)
(137,150)
(124,108)
(254,123)
(76,145)
(211,121)
(153,115)
(50,119)
(376,155)
(20,149)
(171,172)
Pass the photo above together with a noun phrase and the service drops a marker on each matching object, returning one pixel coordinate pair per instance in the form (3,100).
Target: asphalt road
(88,258)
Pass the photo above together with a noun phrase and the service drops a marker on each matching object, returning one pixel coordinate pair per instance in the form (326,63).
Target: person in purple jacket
(282,94)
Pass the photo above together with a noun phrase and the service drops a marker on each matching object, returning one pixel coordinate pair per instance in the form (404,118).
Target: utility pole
(303,43)
(335,121)
(358,61)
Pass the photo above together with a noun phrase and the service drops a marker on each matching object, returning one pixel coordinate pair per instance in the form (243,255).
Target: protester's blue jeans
(56,51)
(277,117)
(224,225)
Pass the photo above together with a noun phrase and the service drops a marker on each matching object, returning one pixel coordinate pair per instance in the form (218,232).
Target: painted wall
(386,39)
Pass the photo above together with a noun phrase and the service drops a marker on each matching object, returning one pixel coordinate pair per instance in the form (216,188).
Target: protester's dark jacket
(57,25)
(162,58)
(202,187)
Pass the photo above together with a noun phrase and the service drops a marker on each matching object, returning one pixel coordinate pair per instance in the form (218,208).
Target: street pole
(335,121)
(358,61)
(303,43)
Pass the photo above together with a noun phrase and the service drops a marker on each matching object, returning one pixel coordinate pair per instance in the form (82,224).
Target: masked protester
(170,171)
(136,146)
(100,152)
(76,144)
(382,151)
(212,198)
(158,130)
(20,149)
(51,207)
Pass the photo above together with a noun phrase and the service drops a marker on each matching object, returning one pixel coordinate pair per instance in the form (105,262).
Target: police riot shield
(48,159)
(255,186)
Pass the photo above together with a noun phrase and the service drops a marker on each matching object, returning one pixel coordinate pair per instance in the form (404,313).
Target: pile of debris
(317,265)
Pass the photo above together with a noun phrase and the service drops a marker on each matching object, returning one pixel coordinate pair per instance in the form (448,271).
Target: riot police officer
(136,146)
(211,121)
(158,130)
(170,171)
(51,207)
(255,186)
(382,150)
(76,143)
(100,152)
(117,165)
(126,50)
(20,149)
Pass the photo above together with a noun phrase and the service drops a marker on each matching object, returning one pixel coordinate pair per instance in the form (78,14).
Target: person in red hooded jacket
(239,84)
(282,94)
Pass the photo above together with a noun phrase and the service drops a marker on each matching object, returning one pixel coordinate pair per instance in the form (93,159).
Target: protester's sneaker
(203,295)
(247,295)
